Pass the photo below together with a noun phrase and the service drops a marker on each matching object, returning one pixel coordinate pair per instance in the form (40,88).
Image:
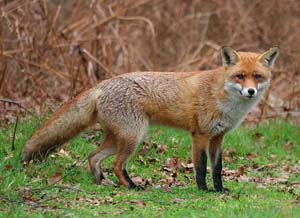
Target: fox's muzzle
(249,92)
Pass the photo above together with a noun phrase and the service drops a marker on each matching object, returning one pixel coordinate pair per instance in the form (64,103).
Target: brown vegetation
(53,49)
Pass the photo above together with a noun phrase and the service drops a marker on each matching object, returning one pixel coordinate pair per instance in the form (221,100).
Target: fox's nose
(251,91)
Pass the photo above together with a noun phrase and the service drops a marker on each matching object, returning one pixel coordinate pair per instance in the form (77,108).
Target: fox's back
(167,98)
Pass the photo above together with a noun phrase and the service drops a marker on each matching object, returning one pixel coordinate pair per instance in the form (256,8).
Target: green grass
(267,152)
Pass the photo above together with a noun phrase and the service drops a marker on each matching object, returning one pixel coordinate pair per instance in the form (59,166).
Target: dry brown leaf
(27,196)
(145,148)
(8,157)
(295,169)
(108,200)
(63,153)
(161,149)
(258,135)
(166,188)
(288,146)
(228,155)
(140,203)
(232,152)
(267,166)
(177,200)
(251,156)
(283,178)
(153,160)
(190,166)
(240,170)
(89,201)
(141,160)
(287,168)
(56,178)
(138,180)
(186,167)
(228,159)
(107,182)
(172,164)
(8,167)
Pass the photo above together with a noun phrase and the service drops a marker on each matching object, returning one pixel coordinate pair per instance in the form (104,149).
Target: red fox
(208,104)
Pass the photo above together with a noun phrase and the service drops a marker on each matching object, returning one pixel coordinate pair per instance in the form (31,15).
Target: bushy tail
(72,118)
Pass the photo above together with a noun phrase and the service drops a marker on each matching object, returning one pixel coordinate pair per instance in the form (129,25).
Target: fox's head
(248,74)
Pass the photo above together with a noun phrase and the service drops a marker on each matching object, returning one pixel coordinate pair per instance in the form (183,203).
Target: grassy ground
(261,169)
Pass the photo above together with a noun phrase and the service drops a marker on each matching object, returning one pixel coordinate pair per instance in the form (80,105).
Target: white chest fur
(234,110)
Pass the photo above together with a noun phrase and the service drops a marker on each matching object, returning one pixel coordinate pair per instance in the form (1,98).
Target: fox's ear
(229,56)
(269,57)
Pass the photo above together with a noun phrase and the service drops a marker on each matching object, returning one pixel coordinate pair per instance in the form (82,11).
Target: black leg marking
(130,182)
(217,172)
(201,171)
(101,177)
(98,177)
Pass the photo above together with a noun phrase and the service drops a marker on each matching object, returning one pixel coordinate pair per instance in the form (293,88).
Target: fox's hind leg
(125,150)
(126,147)
(105,150)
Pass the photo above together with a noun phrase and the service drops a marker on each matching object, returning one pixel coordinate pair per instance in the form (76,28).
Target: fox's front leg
(200,145)
(215,155)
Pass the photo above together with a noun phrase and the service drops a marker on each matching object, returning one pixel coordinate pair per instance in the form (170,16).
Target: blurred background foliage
(53,49)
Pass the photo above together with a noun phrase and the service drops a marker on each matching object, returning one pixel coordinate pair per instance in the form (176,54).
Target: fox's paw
(26,157)
(223,190)
(138,188)
(226,190)
(203,187)
(99,177)
(107,182)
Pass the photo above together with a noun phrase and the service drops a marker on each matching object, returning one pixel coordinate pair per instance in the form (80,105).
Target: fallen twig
(16,103)
(14,134)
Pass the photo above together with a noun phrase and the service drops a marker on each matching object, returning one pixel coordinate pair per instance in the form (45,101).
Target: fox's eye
(257,76)
(240,76)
